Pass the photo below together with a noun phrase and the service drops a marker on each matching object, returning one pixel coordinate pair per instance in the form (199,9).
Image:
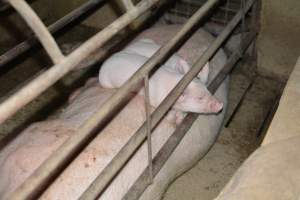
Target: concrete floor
(235,143)
(210,175)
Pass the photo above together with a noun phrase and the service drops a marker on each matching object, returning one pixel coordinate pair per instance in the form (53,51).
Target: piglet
(116,70)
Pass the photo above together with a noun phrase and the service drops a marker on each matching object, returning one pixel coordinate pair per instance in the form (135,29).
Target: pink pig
(116,70)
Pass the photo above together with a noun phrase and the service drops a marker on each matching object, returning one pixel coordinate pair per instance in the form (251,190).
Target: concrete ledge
(286,122)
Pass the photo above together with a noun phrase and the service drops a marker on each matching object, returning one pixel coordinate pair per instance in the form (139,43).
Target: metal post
(148,121)
(38,28)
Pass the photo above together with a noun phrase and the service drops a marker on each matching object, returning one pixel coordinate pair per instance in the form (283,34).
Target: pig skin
(75,179)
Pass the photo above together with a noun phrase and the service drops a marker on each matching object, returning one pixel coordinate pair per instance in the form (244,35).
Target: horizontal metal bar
(136,140)
(38,27)
(36,183)
(165,152)
(58,25)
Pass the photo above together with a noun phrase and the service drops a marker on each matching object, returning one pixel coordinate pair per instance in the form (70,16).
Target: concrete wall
(279,39)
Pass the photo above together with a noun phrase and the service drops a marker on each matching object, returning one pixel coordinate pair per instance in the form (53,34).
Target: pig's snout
(216,106)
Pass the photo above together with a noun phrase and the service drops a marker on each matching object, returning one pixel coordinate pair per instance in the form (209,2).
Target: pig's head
(196,98)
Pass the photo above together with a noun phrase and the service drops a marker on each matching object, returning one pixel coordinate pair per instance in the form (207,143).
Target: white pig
(147,47)
(196,98)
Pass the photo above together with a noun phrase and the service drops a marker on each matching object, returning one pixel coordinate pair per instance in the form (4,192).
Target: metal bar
(58,25)
(52,167)
(148,120)
(165,152)
(136,140)
(38,27)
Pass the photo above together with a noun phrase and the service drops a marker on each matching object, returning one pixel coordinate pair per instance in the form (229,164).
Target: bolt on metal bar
(15,102)
(148,121)
(38,27)
(136,140)
(36,183)
(165,152)
(58,25)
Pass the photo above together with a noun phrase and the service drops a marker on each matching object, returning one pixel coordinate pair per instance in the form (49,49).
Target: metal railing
(52,167)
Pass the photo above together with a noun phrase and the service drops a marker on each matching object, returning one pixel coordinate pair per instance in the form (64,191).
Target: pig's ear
(203,74)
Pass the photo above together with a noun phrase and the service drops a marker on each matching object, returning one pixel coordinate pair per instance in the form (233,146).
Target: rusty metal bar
(15,102)
(137,139)
(38,27)
(58,25)
(165,152)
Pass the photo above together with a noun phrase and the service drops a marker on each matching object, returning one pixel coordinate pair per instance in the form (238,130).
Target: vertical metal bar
(243,26)
(38,28)
(148,120)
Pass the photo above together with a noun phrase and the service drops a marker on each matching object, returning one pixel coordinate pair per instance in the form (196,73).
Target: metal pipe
(58,25)
(38,27)
(50,169)
(148,120)
(164,153)
(136,140)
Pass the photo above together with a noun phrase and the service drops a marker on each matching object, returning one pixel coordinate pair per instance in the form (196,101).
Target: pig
(195,98)
(23,155)
(147,47)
